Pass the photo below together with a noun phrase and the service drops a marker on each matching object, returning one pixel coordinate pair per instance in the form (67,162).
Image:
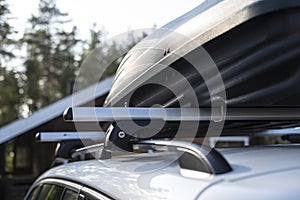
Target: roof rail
(96,148)
(194,157)
(191,156)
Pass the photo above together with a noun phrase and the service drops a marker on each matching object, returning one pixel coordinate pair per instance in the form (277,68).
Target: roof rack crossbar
(280,132)
(101,114)
(64,136)
(112,114)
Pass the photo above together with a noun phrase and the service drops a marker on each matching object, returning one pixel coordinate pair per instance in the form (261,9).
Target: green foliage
(9,90)
(9,96)
(9,157)
(5,32)
(50,64)
(101,59)
(53,58)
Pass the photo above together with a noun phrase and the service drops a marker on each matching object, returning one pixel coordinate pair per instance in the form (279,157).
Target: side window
(18,159)
(50,192)
(70,195)
(34,193)
(64,190)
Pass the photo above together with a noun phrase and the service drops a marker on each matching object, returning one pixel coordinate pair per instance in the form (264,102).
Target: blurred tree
(5,32)
(50,63)
(9,96)
(101,59)
(94,59)
(65,61)
(96,35)
(9,90)
(52,60)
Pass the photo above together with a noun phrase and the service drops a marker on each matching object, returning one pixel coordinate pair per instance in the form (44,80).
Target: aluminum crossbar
(111,114)
(62,136)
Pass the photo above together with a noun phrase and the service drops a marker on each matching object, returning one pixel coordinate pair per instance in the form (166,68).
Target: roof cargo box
(253,46)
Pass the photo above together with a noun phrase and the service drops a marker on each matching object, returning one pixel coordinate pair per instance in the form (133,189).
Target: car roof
(271,172)
(158,175)
(140,176)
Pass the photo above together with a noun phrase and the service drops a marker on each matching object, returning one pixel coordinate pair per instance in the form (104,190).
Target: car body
(261,172)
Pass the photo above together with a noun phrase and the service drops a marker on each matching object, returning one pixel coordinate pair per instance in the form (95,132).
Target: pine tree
(9,96)
(9,90)
(65,62)
(5,32)
(101,59)
(50,63)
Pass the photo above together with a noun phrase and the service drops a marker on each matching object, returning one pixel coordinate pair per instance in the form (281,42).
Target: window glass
(51,192)
(70,195)
(18,157)
(34,193)
(9,158)
(90,198)
(22,157)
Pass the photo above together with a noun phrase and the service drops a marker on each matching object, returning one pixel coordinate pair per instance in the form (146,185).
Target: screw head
(121,134)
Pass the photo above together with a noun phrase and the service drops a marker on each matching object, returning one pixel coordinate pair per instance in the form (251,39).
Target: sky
(115,16)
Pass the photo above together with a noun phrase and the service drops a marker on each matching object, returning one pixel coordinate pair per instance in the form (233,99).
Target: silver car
(226,68)
(263,172)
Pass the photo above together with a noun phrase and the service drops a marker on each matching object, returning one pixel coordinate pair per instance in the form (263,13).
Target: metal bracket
(116,138)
